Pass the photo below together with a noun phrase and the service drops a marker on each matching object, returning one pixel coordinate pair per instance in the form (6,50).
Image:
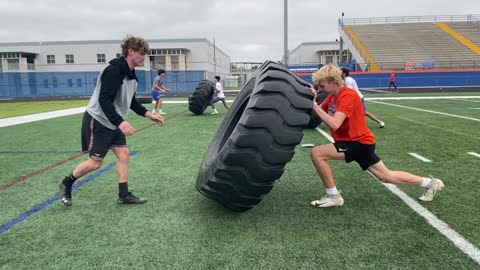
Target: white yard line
(458,240)
(447,130)
(474,154)
(17,120)
(417,156)
(429,111)
(11,121)
(421,98)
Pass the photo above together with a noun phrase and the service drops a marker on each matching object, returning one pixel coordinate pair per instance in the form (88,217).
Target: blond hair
(137,44)
(328,73)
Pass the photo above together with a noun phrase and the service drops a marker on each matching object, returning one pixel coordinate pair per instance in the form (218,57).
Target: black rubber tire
(256,139)
(315,121)
(200,99)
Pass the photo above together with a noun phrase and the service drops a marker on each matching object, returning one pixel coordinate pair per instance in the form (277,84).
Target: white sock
(331,191)
(426,181)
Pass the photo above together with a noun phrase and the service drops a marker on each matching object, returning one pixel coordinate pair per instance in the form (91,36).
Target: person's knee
(385,177)
(95,164)
(317,154)
(123,155)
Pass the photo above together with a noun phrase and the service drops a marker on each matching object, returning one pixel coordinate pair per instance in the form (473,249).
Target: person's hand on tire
(314,92)
(126,128)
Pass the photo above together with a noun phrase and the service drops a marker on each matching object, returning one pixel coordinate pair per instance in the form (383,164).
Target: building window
(50,59)
(13,64)
(69,59)
(175,60)
(158,62)
(100,58)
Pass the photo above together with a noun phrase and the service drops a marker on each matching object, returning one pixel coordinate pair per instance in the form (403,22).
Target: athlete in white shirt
(220,95)
(352,84)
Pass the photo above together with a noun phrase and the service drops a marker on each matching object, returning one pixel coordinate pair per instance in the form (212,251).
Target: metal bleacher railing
(474,18)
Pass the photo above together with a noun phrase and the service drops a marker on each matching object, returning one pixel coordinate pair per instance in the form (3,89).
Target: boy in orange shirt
(342,111)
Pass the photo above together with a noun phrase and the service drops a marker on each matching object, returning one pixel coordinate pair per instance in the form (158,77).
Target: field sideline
(180,229)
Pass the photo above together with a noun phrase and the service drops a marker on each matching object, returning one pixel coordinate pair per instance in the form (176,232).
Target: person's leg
(374,118)
(87,166)
(122,155)
(320,156)
(225,103)
(124,195)
(160,105)
(384,174)
(154,101)
(394,85)
(212,103)
(94,140)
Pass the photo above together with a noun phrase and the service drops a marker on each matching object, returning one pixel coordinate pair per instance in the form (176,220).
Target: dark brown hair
(137,44)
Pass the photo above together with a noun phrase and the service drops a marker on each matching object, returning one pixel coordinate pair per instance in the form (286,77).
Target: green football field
(179,228)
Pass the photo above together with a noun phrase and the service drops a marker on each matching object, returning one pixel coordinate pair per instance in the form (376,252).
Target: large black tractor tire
(200,99)
(315,121)
(256,139)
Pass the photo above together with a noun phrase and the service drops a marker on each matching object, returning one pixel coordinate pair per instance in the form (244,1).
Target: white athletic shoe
(381,124)
(215,112)
(162,112)
(329,201)
(431,190)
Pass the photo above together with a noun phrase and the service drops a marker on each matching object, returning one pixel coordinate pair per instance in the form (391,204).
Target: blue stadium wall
(414,79)
(54,84)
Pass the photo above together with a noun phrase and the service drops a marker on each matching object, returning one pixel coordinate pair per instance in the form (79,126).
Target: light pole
(285,32)
(340,50)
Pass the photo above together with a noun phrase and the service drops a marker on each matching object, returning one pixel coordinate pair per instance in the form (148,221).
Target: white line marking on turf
(17,120)
(420,98)
(417,156)
(474,108)
(11,121)
(474,154)
(435,127)
(457,239)
(422,110)
(325,134)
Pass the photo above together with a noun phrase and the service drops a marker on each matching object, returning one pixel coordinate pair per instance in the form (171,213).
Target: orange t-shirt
(354,127)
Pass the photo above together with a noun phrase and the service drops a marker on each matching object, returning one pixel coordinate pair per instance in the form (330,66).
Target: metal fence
(51,84)
(408,65)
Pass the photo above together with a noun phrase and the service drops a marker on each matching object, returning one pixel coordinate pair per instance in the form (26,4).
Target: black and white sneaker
(65,194)
(131,199)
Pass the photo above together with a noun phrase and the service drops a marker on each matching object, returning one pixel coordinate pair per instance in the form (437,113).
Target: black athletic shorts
(363,154)
(98,139)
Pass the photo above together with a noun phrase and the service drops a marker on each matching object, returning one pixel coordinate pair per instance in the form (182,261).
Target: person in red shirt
(392,81)
(342,111)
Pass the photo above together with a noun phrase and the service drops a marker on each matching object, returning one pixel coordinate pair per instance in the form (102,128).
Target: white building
(316,53)
(94,55)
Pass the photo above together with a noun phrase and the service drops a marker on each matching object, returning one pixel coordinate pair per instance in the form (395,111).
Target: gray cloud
(248,30)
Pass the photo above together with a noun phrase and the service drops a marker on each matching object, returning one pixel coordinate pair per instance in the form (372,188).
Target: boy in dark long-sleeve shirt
(104,123)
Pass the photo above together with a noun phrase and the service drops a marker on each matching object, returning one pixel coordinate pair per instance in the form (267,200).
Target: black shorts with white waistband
(98,139)
(363,154)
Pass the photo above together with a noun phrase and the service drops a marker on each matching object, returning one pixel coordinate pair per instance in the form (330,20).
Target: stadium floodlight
(285,33)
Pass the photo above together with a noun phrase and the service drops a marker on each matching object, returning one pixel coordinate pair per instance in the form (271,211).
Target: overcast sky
(247,30)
